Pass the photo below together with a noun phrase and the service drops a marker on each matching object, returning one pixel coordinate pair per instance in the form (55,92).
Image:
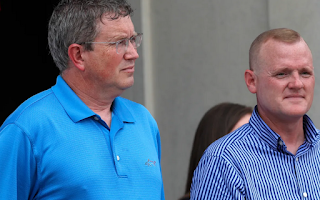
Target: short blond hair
(281,34)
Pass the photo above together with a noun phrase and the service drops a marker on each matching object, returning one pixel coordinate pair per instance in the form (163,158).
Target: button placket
(297,161)
(117,152)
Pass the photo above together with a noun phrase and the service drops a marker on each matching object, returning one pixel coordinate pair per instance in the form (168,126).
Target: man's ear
(251,80)
(75,54)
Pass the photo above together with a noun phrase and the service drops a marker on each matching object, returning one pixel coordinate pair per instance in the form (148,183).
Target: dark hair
(217,122)
(76,21)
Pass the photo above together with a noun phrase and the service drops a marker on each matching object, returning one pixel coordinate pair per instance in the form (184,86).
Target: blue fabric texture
(252,163)
(54,147)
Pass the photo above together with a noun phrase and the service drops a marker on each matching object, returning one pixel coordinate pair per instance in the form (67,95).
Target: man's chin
(127,85)
(296,111)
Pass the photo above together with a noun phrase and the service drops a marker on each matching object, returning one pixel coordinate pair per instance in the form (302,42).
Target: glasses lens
(122,46)
(136,41)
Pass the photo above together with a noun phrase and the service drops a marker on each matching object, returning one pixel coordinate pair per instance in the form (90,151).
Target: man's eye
(280,75)
(305,74)
(133,39)
(122,42)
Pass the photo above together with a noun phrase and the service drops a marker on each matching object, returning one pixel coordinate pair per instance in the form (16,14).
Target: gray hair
(75,21)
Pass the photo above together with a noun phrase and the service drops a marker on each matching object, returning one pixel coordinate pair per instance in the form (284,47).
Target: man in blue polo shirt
(277,154)
(79,139)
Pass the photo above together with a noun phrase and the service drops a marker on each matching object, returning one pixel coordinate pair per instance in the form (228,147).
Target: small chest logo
(150,163)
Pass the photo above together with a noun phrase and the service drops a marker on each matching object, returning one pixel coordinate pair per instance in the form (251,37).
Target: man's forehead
(116,27)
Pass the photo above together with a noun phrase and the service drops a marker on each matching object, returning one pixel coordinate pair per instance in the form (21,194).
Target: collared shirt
(253,163)
(54,147)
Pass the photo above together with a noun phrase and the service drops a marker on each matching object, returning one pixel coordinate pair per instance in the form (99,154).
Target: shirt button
(297,159)
(305,194)
(280,143)
(118,158)
(96,118)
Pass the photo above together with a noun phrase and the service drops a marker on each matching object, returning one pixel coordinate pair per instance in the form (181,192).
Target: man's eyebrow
(118,37)
(115,38)
(307,68)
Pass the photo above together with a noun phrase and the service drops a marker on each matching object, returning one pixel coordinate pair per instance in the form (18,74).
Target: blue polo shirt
(54,147)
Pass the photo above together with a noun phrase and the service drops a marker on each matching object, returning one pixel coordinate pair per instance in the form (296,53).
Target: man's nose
(131,52)
(296,81)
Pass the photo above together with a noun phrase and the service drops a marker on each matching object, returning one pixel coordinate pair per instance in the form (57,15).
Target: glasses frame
(132,38)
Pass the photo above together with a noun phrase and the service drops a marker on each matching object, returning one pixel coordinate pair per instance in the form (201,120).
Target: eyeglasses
(122,45)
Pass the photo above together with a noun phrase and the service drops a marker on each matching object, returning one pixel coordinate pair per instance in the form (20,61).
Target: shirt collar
(72,104)
(120,109)
(272,138)
(77,110)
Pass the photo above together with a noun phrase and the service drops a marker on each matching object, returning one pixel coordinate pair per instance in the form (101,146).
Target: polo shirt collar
(77,110)
(120,109)
(272,138)
(72,104)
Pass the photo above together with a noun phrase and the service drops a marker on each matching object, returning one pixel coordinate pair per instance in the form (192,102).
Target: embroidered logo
(150,163)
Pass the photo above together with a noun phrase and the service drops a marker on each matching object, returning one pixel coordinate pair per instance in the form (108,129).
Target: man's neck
(293,137)
(101,108)
(99,102)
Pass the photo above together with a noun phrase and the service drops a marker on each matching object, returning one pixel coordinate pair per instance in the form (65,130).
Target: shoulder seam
(31,105)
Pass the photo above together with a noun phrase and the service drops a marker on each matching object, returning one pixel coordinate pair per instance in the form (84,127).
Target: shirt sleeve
(215,178)
(18,165)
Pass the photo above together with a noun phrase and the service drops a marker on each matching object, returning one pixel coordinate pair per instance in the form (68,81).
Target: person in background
(217,122)
(277,154)
(79,139)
